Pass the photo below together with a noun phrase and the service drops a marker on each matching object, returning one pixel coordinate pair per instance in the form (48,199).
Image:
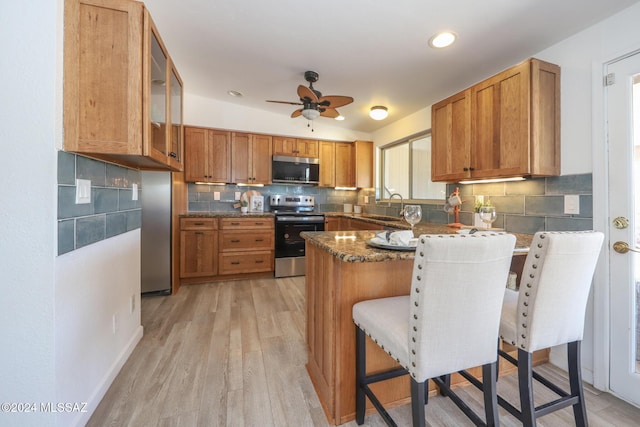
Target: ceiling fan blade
(305,92)
(296,113)
(335,101)
(329,112)
(285,102)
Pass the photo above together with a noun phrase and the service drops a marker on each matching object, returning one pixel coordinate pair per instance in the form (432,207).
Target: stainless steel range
(294,214)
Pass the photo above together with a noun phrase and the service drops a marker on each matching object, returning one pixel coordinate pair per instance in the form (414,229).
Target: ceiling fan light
(310,114)
(378,112)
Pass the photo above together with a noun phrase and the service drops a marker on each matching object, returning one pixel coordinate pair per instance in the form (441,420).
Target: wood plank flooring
(233,354)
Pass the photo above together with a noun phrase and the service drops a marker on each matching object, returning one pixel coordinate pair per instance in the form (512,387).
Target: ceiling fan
(313,103)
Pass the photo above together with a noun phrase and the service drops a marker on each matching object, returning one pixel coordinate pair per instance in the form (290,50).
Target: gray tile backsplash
(111,211)
(533,205)
(523,207)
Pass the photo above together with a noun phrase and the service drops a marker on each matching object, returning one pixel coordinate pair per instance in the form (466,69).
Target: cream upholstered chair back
(456,297)
(555,287)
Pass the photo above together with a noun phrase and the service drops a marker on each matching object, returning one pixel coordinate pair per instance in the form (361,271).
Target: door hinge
(610,79)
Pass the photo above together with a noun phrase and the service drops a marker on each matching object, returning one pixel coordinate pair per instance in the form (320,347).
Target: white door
(623,116)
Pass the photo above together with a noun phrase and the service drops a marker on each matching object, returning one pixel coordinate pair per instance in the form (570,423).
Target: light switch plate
(216,195)
(134,192)
(237,195)
(571,204)
(83,191)
(366,199)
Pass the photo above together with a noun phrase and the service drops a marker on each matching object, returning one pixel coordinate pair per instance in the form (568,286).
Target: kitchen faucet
(401,202)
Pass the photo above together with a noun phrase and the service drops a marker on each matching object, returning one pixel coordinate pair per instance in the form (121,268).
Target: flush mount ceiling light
(443,39)
(340,118)
(310,113)
(235,93)
(378,112)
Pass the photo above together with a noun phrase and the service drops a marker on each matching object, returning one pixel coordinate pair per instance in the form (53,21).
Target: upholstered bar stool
(548,310)
(447,324)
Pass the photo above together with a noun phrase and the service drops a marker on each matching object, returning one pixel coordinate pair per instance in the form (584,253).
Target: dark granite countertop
(350,246)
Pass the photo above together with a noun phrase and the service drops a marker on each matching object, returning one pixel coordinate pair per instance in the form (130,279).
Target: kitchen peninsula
(340,271)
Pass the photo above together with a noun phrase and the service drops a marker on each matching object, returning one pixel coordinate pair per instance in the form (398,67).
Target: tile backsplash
(111,211)
(523,207)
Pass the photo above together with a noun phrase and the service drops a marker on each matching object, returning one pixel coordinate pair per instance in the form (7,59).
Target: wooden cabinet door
(500,124)
(196,164)
(219,156)
(284,146)
(198,253)
(327,164)
(102,104)
(451,138)
(363,163)
(344,165)
(261,149)
(240,158)
(306,148)
(332,223)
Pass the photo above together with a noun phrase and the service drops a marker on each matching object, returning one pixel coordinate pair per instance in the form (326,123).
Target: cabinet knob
(235,241)
(173,154)
(259,261)
(235,262)
(259,240)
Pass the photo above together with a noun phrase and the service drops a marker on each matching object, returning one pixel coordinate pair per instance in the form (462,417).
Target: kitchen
(49,308)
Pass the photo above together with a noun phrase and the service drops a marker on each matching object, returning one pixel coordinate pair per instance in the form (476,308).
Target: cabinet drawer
(198,223)
(245,223)
(246,240)
(245,262)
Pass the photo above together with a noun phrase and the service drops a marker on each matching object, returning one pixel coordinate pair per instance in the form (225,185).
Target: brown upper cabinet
(123,96)
(207,155)
(345,164)
(505,126)
(286,146)
(251,158)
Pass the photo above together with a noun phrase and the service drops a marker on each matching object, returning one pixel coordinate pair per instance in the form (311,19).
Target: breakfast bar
(341,270)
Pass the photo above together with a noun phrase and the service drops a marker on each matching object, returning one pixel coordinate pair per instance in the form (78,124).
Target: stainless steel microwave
(295,170)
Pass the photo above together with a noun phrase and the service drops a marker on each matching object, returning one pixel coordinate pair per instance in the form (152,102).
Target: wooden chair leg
(417,402)
(490,394)
(575,382)
(525,384)
(361,370)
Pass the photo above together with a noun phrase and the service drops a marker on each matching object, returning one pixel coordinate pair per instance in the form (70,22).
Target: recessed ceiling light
(235,93)
(340,118)
(378,112)
(443,39)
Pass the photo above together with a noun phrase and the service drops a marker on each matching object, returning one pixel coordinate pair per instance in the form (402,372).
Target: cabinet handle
(468,169)
(259,240)
(199,232)
(472,169)
(235,241)
(259,261)
(259,223)
(235,223)
(173,154)
(235,262)
(198,223)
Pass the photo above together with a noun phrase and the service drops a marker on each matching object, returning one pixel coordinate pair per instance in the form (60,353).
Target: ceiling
(373,50)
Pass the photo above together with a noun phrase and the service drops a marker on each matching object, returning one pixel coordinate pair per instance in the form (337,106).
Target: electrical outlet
(132,305)
(216,195)
(134,192)
(571,204)
(237,195)
(366,199)
(115,324)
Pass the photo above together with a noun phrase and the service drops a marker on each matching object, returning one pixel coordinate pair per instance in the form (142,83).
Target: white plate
(374,244)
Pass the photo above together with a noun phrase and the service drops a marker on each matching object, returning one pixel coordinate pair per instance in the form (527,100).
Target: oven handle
(301,219)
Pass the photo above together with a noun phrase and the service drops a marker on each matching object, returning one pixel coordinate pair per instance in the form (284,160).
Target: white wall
(94,284)
(206,112)
(55,313)
(28,208)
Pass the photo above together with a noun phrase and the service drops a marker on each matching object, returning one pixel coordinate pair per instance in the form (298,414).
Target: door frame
(602,286)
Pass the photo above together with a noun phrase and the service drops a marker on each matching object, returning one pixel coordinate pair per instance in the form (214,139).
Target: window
(406,169)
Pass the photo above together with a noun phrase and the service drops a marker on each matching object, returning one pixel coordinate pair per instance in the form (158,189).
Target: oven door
(289,243)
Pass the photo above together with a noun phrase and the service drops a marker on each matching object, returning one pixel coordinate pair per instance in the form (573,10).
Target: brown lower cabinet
(222,248)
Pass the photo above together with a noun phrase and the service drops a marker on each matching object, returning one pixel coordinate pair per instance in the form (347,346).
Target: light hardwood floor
(233,354)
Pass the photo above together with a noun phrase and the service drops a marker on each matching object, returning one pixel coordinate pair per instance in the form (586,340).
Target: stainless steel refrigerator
(156,233)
